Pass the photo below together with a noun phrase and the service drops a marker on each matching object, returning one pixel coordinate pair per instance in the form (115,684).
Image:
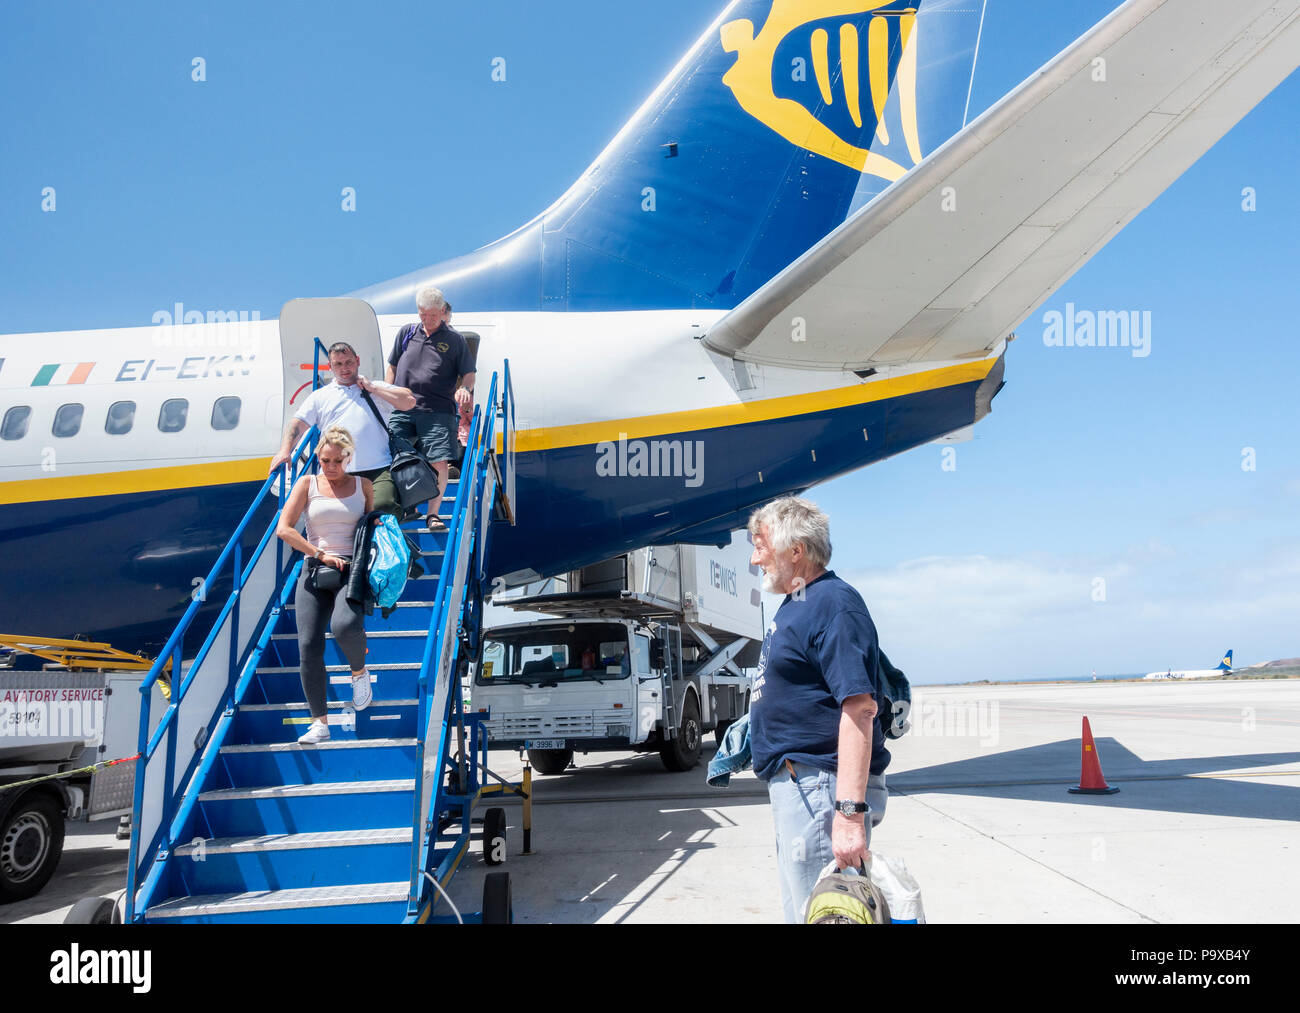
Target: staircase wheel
(494,836)
(93,911)
(497,906)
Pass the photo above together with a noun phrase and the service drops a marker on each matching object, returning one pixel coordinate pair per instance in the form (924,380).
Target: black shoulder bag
(416,482)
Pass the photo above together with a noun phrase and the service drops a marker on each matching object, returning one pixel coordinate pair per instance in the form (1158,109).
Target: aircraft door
(331,320)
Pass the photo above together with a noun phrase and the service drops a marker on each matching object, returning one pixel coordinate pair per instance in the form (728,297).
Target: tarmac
(1205,827)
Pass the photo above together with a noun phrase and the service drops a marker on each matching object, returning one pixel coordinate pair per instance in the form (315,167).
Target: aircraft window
(173,415)
(17,419)
(67,420)
(225,413)
(121,417)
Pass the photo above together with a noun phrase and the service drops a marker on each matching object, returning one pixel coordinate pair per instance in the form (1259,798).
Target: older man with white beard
(814,729)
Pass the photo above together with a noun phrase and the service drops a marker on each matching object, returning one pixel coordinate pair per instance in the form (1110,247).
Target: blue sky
(1094,464)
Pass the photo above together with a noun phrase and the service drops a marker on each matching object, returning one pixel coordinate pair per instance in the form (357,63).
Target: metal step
(296,842)
(370,634)
(307,790)
(284,685)
(285,747)
(380,650)
(230,906)
(301,808)
(337,759)
(290,607)
(301,705)
(285,720)
(388,666)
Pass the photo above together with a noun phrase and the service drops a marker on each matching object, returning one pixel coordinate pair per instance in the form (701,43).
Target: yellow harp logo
(751,77)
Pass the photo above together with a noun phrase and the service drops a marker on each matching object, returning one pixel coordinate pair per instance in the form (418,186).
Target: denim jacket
(732,756)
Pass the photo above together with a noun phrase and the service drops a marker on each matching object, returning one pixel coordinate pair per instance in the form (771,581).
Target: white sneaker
(361,695)
(318,732)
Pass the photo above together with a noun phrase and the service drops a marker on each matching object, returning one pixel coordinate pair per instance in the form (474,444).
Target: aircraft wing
(950,258)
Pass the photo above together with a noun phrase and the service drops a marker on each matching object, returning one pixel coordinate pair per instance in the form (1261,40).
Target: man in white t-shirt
(341,404)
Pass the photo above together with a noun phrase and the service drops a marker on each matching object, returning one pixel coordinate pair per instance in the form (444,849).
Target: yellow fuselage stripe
(587,433)
(117,483)
(190,476)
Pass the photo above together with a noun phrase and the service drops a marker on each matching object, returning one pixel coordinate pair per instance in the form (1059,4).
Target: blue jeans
(803,812)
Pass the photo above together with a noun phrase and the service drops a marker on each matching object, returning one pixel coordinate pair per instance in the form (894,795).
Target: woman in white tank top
(334,502)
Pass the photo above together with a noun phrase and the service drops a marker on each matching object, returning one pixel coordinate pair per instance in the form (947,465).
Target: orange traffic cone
(1091,781)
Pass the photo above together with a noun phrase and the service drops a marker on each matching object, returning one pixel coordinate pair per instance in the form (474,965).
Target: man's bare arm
(292,432)
(854,767)
(466,383)
(848,833)
(400,398)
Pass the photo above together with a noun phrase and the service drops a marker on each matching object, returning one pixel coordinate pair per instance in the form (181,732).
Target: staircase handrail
(152,839)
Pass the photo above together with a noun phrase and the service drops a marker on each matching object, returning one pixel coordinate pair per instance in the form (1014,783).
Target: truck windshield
(555,654)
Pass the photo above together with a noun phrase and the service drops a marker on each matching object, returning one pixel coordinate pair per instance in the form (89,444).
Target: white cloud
(960,618)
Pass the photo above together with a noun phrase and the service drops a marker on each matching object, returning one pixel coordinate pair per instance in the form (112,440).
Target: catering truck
(646,651)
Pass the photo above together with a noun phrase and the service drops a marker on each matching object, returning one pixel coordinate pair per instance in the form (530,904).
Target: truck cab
(624,655)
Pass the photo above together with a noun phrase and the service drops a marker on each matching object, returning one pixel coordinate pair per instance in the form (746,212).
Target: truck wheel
(494,836)
(93,911)
(720,732)
(683,752)
(550,761)
(31,843)
(498,908)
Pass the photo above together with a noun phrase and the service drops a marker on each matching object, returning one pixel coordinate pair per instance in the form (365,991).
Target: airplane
(1224,668)
(796,259)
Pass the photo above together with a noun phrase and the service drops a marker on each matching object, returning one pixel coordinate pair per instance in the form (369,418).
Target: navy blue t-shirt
(817,653)
(430,365)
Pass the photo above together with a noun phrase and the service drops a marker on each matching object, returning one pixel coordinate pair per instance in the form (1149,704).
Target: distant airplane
(795,260)
(1225,666)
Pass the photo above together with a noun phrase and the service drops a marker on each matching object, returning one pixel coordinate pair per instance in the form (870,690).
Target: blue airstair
(236,822)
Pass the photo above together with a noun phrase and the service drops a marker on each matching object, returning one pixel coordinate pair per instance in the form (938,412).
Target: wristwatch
(852,808)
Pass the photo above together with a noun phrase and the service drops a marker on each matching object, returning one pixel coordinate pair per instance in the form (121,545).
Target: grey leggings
(316,609)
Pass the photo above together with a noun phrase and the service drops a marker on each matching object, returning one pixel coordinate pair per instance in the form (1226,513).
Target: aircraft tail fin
(1226,664)
(750,152)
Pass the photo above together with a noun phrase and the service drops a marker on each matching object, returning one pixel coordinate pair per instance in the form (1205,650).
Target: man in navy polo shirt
(434,361)
(814,730)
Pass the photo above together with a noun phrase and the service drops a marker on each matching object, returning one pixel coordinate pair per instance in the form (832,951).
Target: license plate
(544,744)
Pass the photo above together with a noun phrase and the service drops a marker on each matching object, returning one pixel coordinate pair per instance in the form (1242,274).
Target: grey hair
(793,520)
(430,297)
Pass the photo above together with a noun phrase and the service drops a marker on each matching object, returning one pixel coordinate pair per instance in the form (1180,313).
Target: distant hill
(1283,668)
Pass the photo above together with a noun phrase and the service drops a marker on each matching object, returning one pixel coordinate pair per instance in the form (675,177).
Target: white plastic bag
(901,890)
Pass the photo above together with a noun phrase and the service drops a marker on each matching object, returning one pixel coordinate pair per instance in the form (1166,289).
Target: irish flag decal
(56,374)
